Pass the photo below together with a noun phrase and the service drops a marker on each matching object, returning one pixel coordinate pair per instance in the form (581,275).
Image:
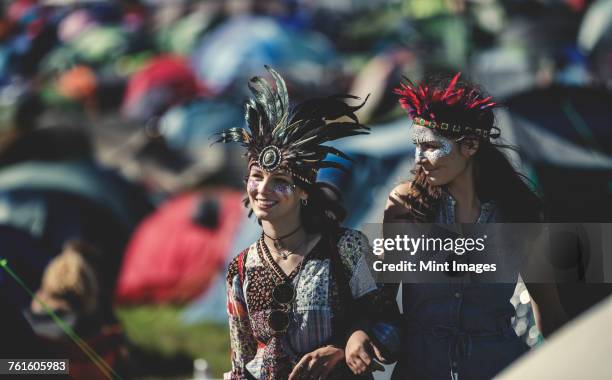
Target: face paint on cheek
(252,186)
(425,135)
(444,150)
(283,189)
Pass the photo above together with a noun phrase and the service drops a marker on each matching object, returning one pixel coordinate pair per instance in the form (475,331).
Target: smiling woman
(266,190)
(292,294)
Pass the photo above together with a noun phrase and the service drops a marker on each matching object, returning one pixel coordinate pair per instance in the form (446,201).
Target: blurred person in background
(460,176)
(69,284)
(52,188)
(293,293)
(71,289)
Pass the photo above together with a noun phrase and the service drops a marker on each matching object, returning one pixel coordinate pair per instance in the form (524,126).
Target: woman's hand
(360,352)
(317,364)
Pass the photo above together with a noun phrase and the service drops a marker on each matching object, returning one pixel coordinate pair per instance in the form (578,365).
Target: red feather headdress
(451,110)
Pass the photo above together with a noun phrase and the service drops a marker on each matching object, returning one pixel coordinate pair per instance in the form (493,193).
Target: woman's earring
(304,202)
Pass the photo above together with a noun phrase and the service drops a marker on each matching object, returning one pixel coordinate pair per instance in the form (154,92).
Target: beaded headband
(446,127)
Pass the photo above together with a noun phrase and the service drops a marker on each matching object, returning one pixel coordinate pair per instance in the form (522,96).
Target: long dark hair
(495,177)
(324,211)
(495,180)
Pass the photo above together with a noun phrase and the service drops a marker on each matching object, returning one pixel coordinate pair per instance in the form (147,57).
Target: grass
(171,345)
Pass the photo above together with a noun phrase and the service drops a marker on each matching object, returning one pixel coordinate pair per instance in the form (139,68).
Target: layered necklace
(284,291)
(278,246)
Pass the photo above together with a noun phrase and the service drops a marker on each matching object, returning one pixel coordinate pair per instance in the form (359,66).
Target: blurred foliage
(158,329)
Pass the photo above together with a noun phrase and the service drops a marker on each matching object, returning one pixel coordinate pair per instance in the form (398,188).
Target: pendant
(283,252)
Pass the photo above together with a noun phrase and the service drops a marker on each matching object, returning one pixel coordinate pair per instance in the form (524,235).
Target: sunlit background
(107,109)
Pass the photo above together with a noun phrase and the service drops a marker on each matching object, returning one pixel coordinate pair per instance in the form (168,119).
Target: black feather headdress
(292,138)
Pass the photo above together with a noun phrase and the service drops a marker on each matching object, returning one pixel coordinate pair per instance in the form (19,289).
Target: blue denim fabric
(458,330)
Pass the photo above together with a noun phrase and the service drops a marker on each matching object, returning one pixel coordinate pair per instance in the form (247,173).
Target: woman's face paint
(439,157)
(283,188)
(429,145)
(252,185)
(272,195)
(278,182)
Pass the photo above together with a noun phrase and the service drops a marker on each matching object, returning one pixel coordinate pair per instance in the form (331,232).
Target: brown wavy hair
(495,177)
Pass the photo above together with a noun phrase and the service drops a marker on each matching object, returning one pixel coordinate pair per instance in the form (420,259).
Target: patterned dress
(318,314)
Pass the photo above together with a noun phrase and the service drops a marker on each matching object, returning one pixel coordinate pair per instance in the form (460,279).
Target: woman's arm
(377,335)
(395,209)
(360,348)
(317,364)
(376,304)
(242,341)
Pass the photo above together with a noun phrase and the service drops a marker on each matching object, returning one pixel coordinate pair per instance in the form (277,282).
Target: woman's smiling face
(273,195)
(442,159)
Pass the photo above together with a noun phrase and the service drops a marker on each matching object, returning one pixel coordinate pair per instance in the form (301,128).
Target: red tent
(163,82)
(173,258)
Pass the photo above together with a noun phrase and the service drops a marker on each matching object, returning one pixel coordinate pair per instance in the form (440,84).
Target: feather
(332,164)
(451,86)
(335,152)
(234,135)
(428,102)
(298,132)
(282,96)
(264,98)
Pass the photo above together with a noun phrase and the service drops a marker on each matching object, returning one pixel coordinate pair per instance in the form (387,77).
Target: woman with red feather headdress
(455,329)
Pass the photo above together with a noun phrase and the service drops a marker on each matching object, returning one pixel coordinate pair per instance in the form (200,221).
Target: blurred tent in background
(178,251)
(180,25)
(151,81)
(210,305)
(190,128)
(55,202)
(595,27)
(99,44)
(239,48)
(163,82)
(87,180)
(564,135)
(595,40)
